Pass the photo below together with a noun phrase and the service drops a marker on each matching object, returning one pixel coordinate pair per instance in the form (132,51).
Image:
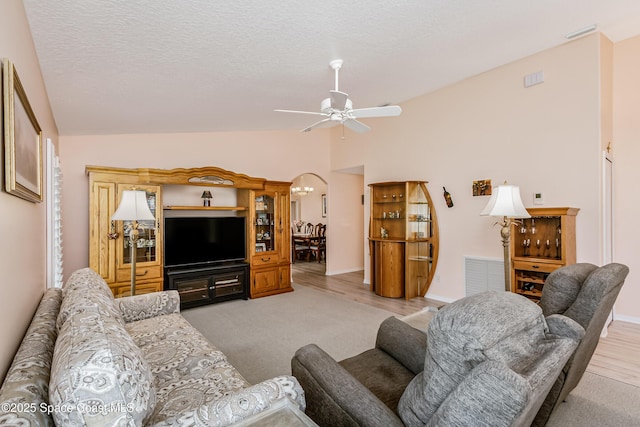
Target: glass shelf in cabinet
(419,258)
(388,202)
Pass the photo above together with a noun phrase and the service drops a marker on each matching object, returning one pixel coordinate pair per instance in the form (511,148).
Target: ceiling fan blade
(324,123)
(356,125)
(338,100)
(302,112)
(387,111)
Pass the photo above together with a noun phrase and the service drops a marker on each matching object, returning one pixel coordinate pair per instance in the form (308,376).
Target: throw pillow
(98,374)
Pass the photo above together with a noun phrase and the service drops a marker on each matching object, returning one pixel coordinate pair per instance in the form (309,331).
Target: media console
(200,285)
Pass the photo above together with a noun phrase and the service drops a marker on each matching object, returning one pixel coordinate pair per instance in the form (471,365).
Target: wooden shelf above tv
(206,208)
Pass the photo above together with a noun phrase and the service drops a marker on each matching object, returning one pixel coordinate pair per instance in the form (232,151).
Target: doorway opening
(309,219)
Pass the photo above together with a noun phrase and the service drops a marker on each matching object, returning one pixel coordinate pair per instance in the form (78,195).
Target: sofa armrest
(333,396)
(564,326)
(236,406)
(404,343)
(490,395)
(146,306)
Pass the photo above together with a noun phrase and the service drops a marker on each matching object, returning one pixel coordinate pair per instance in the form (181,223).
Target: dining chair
(318,246)
(299,248)
(309,229)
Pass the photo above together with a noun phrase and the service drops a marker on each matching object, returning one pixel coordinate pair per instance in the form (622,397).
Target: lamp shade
(506,202)
(206,194)
(133,206)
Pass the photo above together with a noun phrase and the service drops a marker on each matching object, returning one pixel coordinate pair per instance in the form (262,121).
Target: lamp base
(505,233)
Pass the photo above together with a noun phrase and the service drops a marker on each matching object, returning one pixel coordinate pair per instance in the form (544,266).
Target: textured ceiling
(130,66)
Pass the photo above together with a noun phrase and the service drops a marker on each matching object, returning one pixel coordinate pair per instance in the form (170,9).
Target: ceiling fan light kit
(338,108)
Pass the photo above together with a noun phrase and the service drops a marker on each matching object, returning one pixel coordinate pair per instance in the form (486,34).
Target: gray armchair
(586,294)
(491,359)
(365,389)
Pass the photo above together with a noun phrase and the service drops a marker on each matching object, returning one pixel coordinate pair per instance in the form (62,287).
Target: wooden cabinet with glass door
(109,249)
(540,245)
(268,240)
(403,237)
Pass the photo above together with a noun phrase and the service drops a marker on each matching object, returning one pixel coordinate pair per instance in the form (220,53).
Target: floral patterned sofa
(89,359)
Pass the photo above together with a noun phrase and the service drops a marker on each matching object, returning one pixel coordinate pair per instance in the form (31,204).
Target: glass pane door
(265,236)
(147,244)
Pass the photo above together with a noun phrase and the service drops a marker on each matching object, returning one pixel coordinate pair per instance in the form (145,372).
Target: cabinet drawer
(266,259)
(121,290)
(535,266)
(142,273)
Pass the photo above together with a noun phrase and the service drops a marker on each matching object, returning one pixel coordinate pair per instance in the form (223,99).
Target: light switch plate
(533,79)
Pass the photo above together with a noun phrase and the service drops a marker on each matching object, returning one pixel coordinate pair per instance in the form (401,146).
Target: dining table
(304,239)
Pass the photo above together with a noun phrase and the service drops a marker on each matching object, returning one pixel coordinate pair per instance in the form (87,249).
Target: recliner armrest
(146,306)
(564,326)
(403,342)
(333,396)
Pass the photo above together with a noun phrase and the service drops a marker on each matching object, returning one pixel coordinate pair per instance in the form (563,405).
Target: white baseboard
(629,319)
(440,298)
(350,270)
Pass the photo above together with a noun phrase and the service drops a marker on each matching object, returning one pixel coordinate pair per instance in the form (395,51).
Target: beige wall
(546,138)
(272,155)
(346,222)
(626,154)
(22,224)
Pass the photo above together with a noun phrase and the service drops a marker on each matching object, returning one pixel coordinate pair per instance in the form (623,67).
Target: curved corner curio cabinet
(403,238)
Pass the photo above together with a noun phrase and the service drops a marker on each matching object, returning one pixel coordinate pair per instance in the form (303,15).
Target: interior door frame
(607,219)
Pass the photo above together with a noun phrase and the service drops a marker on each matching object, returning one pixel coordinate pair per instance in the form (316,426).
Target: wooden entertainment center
(265,205)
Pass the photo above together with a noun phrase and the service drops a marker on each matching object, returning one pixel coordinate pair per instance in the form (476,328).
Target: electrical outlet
(537,199)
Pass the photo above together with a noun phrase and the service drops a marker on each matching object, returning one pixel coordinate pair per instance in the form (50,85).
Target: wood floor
(616,356)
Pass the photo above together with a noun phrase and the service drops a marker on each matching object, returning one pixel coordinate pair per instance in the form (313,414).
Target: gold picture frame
(22,139)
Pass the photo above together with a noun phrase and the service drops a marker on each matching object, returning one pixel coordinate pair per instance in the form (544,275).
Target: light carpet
(599,401)
(260,336)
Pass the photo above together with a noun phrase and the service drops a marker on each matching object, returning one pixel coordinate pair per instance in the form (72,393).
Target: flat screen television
(204,240)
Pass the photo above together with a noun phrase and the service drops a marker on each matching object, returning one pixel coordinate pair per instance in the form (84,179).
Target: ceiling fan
(337,109)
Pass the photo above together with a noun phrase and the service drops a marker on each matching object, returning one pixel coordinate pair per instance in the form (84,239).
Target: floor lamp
(133,207)
(505,202)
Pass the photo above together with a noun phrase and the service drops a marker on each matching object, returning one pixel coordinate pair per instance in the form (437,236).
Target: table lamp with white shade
(505,202)
(133,207)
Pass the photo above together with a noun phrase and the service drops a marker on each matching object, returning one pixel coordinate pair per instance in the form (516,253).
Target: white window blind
(54,218)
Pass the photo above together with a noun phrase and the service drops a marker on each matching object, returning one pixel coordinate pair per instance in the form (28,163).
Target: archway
(308,206)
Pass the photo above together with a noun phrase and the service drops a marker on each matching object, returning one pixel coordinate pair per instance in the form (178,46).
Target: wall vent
(483,274)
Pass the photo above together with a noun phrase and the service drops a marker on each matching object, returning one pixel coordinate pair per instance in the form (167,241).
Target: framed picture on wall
(22,139)
(324,206)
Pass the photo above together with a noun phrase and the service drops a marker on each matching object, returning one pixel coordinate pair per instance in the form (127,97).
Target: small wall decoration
(22,139)
(447,197)
(324,206)
(482,187)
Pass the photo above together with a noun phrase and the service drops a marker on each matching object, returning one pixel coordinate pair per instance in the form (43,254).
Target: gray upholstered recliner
(490,360)
(585,293)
